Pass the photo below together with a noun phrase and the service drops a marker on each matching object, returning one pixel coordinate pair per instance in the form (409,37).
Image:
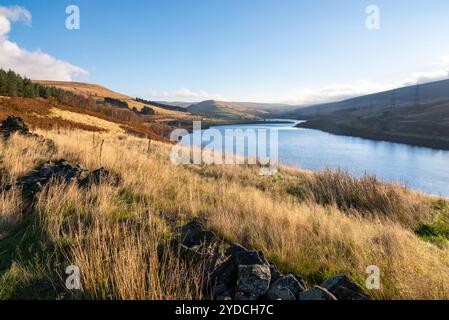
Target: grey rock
(251,258)
(254,279)
(285,288)
(234,250)
(193,234)
(300,280)
(241,296)
(345,289)
(220,290)
(316,293)
(224,297)
(281,293)
(99,176)
(275,274)
(58,171)
(12,125)
(225,273)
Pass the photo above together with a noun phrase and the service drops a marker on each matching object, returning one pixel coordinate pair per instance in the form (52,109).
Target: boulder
(99,176)
(254,280)
(281,293)
(234,250)
(247,258)
(345,289)
(193,234)
(60,171)
(285,288)
(219,290)
(316,293)
(275,274)
(225,273)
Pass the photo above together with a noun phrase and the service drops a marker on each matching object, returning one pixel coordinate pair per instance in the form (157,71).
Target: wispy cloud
(307,96)
(185,94)
(33,64)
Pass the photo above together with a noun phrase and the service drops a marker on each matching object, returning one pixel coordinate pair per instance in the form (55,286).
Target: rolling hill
(407,96)
(416,115)
(242,110)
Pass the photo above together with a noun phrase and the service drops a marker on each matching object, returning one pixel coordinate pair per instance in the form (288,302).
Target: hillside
(412,115)
(82,185)
(238,110)
(402,97)
(91,201)
(100,92)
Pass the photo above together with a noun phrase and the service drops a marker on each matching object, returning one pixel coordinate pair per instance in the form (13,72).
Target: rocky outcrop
(285,288)
(62,171)
(345,289)
(316,293)
(15,124)
(12,125)
(253,280)
(235,273)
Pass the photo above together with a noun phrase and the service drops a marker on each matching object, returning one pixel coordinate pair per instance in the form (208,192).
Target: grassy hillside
(316,225)
(237,110)
(100,92)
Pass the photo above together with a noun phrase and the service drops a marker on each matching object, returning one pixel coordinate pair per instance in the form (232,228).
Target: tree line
(14,85)
(161,105)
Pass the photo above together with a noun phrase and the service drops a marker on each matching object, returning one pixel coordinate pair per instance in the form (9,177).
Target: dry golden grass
(94,90)
(10,211)
(86,119)
(113,234)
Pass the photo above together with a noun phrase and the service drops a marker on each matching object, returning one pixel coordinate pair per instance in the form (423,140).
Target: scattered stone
(345,289)
(300,280)
(285,288)
(275,274)
(316,293)
(15,124)
(193,234)
(234,250)
(193,254)
(248,258)
(100,176)
(226,273)
(242,274)
(12,125)
(254,280)
(281,293)
(59,170)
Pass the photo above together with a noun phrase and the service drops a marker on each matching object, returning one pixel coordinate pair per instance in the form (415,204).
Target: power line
(417,95)
(393,99)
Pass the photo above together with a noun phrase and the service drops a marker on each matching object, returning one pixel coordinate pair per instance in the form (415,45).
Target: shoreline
(340,130)
(207,125)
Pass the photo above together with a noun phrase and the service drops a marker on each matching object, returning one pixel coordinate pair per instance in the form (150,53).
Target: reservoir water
(422,169)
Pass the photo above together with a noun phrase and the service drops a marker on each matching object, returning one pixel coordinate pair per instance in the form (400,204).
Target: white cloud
(33,64)
(307,96)
(185,94)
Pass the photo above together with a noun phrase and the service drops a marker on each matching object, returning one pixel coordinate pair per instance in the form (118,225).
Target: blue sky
(244,50)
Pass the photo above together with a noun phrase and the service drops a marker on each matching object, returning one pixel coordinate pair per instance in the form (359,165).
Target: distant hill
(237,109)
(406,96)
(416,115)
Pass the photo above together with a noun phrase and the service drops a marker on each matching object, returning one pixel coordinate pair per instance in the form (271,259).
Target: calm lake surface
(422,169)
